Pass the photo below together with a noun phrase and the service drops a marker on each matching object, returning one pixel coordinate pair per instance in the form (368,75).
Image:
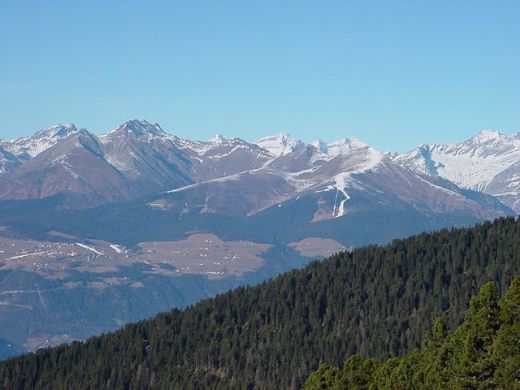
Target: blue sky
(393,74)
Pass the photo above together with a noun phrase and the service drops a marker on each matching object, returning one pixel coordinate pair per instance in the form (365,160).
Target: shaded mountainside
(129,223)
(482,353)
(73,167)
(379,301)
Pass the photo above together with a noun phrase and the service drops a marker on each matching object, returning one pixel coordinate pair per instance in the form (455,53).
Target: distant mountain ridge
(142,157)
(488,162)
(349,178)
(138,159)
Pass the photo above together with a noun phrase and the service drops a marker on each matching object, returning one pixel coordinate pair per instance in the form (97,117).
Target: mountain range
(145,220)
(138,159)
(131,161)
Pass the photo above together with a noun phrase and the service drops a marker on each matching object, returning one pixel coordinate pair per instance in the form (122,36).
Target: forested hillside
(482,353)
(378,301)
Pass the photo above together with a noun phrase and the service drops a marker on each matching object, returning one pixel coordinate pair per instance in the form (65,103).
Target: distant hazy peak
(278,144)
(346,143)
(58,130)
(218,139)
(485,136)
(137,128)
(343,145)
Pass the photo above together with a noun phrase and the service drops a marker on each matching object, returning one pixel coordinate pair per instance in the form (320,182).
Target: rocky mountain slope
(345,177)
(74,167)
(133,160)
(8,161)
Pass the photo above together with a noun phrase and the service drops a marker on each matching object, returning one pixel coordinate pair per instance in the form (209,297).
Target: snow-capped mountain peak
(217,139)
(278,144)
(486,136)
(487,162)
(55,131)
(136,128)
(28,147)
(321,146)
(344,145)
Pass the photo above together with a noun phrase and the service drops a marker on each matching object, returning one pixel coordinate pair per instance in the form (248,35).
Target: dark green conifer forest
(482,353)
(358,307)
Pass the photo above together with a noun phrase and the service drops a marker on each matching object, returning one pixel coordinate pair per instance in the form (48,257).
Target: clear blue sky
(392,73)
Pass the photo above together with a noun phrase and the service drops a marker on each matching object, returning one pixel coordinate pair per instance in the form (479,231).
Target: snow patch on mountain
(89,248)
(217,139)
(227,153)
(340,183)
(8,162)
(117,248)
(488,136)
(202,148)
(233,177)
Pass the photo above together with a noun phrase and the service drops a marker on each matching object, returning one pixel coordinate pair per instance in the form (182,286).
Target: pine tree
(474,366)
(357,372)
(506,351)
(325,377)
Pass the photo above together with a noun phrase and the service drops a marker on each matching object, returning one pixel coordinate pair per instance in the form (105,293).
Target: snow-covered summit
(56,131)
(137,128)
(217,139)
(278,144)
(338,147)
(321,146)
(486,136)
(344,146)
(215,145)
(28,147)
(487,162)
